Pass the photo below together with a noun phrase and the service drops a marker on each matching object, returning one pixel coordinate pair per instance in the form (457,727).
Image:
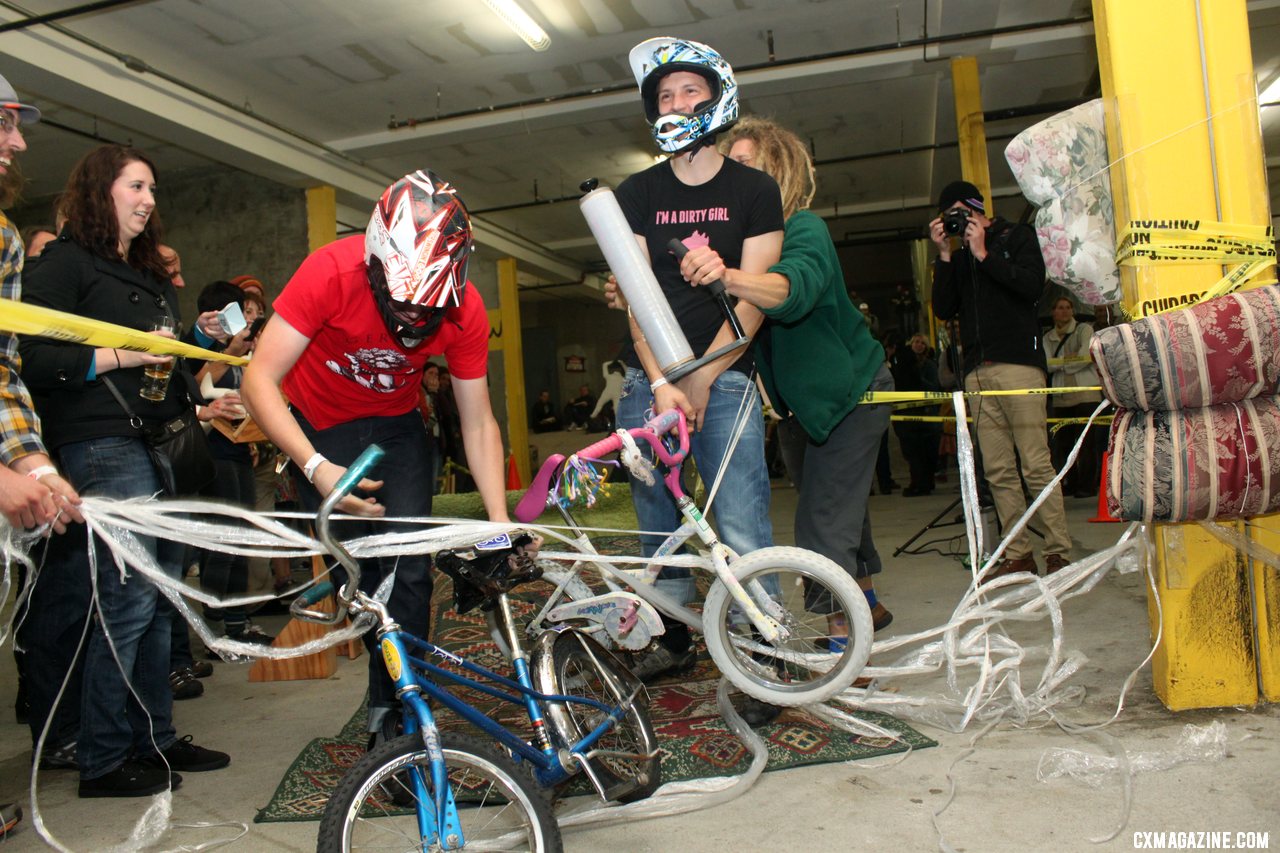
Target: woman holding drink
(106,265)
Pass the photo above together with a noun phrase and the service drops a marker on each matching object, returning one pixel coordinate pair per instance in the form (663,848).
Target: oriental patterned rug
(695,739)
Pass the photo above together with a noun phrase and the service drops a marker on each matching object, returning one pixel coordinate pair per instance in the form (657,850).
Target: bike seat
(535,500)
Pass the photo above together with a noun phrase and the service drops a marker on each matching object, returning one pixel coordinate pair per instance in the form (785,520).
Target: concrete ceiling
(355,94)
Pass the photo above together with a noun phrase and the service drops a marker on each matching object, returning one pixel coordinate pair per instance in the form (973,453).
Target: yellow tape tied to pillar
(1173,241)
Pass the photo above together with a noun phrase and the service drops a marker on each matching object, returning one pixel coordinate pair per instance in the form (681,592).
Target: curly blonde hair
(779,154)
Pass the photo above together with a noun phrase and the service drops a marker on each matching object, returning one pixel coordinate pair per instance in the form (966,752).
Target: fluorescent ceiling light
(1271,94)
(520,23)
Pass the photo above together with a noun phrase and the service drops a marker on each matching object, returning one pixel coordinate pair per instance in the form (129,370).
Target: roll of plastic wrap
(629,265)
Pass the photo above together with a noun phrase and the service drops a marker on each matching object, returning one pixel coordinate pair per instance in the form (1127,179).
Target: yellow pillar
(971,127)
(922,281)
(513,362)
(322,217)
(1158,94)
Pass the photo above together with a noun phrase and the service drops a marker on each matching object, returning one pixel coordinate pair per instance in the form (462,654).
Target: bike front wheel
(581,667)
(806,593)
(498,805)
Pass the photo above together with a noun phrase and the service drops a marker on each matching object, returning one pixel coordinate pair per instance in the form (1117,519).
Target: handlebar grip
(354,474)
(319,592)
(679,249)
(665,422)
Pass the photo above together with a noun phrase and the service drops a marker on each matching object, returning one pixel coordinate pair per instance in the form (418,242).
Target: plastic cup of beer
(155,377)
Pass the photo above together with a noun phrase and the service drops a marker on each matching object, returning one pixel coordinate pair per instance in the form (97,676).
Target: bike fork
(769,627)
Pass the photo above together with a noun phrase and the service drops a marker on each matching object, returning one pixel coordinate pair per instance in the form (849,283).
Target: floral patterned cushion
(1220,351)
(1216,462)
(1061,166)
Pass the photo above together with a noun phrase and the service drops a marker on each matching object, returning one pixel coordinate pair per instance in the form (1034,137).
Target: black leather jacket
(72,407)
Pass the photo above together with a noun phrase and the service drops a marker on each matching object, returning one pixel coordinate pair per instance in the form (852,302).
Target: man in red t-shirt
(351,334)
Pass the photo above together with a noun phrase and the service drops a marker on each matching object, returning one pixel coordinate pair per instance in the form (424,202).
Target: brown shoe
(880,616)
(1053,563)
(1012,566)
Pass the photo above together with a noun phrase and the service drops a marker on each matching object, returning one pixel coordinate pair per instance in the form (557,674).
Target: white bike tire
(849,598)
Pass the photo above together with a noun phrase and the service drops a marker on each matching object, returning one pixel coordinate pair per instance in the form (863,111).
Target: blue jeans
(405,491)
(741,506)
(120,467)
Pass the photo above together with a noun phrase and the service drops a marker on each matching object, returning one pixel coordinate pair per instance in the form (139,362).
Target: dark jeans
(920,449)
(834,482)
(112,723)
(224,574)
(404,472)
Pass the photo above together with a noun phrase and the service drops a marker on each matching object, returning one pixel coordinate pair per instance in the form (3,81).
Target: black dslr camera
(955,220)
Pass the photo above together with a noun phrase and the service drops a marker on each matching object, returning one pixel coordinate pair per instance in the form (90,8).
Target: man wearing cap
(993,281)
(31,491)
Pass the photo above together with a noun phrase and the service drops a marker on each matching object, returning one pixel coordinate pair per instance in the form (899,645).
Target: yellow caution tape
(945,396)
(1164,241)
(23,319)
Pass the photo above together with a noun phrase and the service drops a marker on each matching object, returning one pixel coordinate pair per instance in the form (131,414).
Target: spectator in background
(428,397)
(915,370)
(578,412)
(605,412)
(1066,346)
(36,237)
(1105,316)
(173,263)
(542,414)
(252,285)
(884,468)
(872,321)
(223,574)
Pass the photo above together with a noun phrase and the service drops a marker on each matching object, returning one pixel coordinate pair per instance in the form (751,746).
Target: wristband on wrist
(309,470)
(657,383)
(41,471)
(116,353)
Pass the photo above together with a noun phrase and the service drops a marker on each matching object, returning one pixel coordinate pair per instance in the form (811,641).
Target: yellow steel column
(971,127)
(1167,66)
(513,362)
(322,217)
(922,281)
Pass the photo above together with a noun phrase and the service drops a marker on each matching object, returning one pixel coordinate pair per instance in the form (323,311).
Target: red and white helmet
(421,234)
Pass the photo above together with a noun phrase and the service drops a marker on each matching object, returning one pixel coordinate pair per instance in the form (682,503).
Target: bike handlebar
(652,432)
(348,481)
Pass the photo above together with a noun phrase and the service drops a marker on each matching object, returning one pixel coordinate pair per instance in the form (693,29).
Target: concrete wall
(580,325)
(227,223)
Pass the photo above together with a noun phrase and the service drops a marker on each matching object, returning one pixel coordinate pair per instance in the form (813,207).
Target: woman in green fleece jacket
(816,357)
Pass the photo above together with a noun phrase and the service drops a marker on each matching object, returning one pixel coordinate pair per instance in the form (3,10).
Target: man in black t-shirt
(703,199)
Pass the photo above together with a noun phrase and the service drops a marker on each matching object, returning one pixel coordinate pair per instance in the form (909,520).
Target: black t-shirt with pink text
(737,204)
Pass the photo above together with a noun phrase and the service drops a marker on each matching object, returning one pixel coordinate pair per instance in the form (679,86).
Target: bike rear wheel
(581,667)
(799,669)
(495,800)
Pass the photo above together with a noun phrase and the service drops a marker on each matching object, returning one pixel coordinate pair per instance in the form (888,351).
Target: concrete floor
(880,805)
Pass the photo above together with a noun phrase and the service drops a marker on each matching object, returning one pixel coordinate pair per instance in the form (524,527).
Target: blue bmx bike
(428,790)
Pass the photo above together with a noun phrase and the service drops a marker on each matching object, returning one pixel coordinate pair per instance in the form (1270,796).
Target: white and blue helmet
(653,59)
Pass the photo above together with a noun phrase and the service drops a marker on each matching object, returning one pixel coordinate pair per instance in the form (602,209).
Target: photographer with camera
(992,281)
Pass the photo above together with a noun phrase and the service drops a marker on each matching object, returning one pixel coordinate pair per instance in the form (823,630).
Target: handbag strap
(134,420)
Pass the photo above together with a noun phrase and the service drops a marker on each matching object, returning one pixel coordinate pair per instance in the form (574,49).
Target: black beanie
(961,191)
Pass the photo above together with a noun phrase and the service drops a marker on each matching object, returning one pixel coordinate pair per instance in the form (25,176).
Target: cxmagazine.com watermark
(1202,840)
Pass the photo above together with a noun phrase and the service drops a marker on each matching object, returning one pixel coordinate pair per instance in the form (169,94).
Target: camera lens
(954,221)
